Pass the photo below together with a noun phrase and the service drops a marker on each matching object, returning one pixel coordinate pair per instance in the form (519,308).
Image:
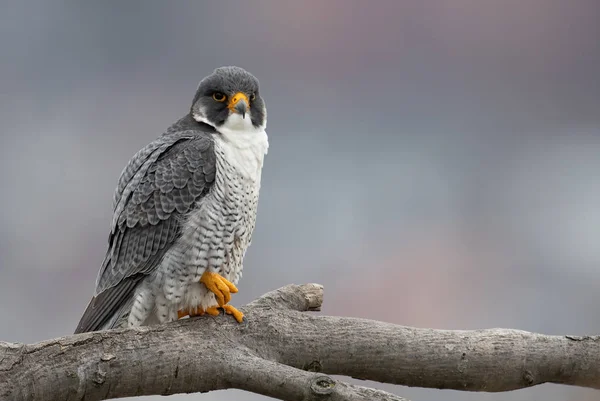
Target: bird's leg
(192,312)
(213,311)
(218,285)
(229,309)
(222,288)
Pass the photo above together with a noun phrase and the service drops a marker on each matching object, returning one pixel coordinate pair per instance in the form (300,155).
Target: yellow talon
(213,311)
(198,311)
(231,310)
(220,286)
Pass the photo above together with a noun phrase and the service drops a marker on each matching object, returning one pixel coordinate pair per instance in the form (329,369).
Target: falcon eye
(252,97)
(219,97)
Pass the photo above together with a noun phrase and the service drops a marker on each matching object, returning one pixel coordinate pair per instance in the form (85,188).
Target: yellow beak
(239,103)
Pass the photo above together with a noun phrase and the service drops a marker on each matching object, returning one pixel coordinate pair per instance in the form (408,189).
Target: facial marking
(225,98)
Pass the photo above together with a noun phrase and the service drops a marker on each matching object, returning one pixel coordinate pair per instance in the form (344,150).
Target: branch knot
(322,384)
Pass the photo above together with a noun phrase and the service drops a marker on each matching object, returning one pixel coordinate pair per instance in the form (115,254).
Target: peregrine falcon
(184,211)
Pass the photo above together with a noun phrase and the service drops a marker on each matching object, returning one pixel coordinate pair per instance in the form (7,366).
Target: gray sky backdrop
(441,156)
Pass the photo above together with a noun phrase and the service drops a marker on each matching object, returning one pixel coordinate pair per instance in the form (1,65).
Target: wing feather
(161,184)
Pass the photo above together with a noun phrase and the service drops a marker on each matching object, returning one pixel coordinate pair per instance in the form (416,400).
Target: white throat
(243,144)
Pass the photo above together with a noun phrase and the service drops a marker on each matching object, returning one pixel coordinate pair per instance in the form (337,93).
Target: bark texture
(281,352)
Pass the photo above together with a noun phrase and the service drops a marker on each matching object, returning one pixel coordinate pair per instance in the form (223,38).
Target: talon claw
(213,311)
(231,310)
(220,286)
(198,311)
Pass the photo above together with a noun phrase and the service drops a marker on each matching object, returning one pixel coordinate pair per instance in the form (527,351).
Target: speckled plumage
(184,204)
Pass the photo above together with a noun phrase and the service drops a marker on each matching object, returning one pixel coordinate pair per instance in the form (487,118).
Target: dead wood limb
(281,352)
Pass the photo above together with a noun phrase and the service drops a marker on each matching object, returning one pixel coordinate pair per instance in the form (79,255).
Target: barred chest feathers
(217,234)
(235,193)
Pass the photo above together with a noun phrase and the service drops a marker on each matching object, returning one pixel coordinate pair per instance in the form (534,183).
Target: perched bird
(184,212)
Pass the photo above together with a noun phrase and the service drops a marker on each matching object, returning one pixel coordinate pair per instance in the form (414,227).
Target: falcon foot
(228,309)
(198,311)
(231,310)
(213,311)
(220,286)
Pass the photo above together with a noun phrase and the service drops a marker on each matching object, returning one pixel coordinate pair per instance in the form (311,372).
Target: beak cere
(239,103)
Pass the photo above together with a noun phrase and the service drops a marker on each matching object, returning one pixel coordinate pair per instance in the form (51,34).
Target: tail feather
(106,308)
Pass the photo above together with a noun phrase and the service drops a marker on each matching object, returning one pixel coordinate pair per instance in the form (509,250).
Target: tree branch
(280,381)
(283,353)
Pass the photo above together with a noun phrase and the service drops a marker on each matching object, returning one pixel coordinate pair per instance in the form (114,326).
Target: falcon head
(229,98)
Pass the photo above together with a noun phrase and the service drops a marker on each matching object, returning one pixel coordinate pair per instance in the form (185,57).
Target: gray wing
(160,184)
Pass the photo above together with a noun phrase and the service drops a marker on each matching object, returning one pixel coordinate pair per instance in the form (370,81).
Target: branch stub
(322,384)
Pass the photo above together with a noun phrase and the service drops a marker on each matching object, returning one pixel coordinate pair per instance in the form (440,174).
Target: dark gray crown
(228,81)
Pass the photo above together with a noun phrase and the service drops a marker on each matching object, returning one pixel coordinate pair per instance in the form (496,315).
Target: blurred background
(442,156)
